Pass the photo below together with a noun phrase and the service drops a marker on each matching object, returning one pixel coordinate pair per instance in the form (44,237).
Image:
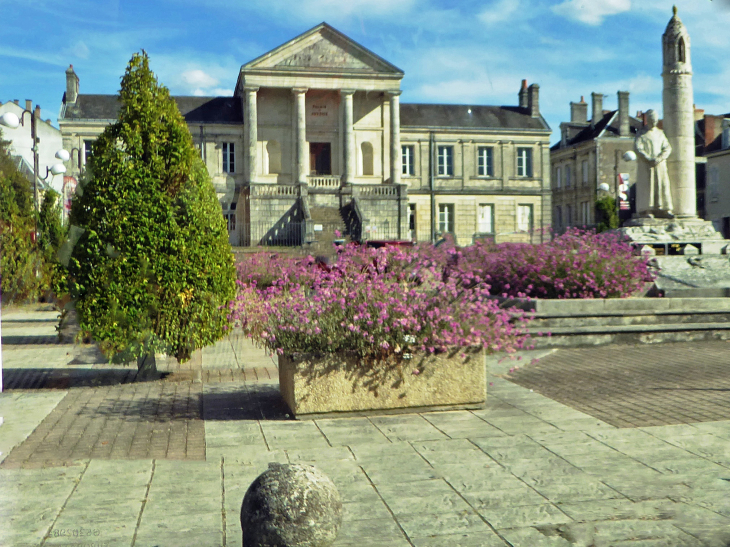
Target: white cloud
(79,50)
(591,12)
(199,78)
(499,11)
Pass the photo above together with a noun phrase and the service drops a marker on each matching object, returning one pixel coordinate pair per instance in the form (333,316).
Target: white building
(49,142)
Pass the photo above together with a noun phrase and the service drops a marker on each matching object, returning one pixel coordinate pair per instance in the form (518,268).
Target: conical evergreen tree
(152,270)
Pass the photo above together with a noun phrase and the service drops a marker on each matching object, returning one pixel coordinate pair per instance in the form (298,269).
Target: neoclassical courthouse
(315,139)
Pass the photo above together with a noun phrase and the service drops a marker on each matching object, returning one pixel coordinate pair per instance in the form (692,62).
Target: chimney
(624,129)
(533,100)
(579,111)
(28,104)
(15,101)
(37,112)
(699,113)
(713,127)
(523,94)
(597,99)
(72,85)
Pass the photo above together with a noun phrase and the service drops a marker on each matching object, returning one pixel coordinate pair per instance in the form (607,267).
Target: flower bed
(378,313)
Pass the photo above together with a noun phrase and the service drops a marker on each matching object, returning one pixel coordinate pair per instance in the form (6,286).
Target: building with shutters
(316,140)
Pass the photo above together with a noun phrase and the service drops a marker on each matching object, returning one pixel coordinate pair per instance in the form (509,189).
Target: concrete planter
(315,385)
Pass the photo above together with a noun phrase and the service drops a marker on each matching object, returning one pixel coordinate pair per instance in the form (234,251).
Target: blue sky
(459,51)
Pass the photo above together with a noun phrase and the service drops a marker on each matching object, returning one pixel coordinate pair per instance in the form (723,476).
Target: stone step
(628,334)
(636,318)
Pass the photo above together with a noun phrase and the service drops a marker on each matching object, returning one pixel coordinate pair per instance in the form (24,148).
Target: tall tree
(150,268)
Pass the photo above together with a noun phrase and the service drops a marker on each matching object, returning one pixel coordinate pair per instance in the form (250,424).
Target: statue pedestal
(675,236)
(676,244)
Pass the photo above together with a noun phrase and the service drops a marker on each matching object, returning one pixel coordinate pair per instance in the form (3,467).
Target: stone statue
(653,193)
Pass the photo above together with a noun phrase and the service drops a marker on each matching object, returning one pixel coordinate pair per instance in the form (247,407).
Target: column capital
(251,88)
(297,90)
(393,93)
(347,91)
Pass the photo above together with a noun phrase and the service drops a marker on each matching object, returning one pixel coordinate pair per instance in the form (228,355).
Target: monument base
(674,236)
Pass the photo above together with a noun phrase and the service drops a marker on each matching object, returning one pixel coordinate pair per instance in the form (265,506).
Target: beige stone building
(590,153)
(315,140)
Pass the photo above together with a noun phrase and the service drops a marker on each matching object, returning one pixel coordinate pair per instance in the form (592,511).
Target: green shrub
(606,214)
(150,269)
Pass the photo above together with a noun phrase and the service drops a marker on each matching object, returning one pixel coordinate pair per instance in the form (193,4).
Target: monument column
(678,124)
(349,137)
(251,135)
(395,151)
(300,104)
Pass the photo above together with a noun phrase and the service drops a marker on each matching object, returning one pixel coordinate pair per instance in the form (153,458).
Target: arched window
(680,51)
(273,154)
(367,158)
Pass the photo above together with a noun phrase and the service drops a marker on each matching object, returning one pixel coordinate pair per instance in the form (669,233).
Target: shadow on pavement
(62,378)
(249,402)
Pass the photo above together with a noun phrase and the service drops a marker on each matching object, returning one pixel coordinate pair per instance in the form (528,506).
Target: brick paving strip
(637,386)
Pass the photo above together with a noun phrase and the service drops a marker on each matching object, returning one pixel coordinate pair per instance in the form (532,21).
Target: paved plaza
(589,447)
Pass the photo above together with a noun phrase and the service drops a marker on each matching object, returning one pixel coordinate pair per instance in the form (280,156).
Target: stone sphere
(291,506)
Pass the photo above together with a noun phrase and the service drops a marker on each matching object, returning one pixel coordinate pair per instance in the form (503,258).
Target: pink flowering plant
(577,264)
(380,305)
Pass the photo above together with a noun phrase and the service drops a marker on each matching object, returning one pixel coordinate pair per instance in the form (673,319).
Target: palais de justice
(315,139)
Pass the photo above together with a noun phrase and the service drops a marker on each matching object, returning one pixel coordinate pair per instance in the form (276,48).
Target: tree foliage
(606,214)
(19,256)
(150,268)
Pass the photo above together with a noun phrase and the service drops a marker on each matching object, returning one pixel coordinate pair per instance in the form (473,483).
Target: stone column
(251,136)
(300,110)
(349,138)
(395,151)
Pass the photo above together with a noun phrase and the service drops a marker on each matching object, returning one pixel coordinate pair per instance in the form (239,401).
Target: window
(408,157)
(446,161)
(558,216)
(568,215)
(584,213)
(584,170)
(567,176)
(412,221)
(230,216)
(446,218)
(367,158)
(87,150)
(273,155)
(558,177)
(485,219)
(229,158)
(485,162)
(524,162)
(524,218)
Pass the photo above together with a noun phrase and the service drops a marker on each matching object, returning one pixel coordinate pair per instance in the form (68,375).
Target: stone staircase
(326,220)
(574,323)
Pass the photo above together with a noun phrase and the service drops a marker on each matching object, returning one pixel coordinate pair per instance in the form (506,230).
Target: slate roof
(229,110)
(194,109)
(458,116)
(609,123)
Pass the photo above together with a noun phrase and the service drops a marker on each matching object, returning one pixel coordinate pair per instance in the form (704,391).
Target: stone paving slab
(527,470)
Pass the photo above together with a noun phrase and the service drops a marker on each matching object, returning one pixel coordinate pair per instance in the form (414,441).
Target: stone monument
(666,221)
(653,192)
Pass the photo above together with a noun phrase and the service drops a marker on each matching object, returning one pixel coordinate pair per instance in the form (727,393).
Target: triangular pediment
(323,49)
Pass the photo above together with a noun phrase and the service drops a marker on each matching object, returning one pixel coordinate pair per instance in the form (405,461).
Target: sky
(452,52)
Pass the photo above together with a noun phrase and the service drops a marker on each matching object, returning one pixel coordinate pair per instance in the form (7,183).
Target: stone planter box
(313,386)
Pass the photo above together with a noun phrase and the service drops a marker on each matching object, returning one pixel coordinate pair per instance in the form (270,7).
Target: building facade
(315,140)
(21,144)
(589,154)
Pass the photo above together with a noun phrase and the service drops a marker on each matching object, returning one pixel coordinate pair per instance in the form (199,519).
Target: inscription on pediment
(325,54)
